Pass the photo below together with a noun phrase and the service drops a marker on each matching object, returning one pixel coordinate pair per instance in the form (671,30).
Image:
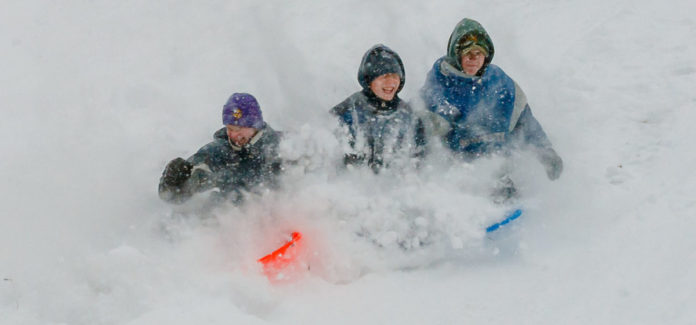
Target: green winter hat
(466,34)
(466,49)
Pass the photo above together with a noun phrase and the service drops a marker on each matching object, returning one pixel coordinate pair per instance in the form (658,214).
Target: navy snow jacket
(378,134)
(374,131)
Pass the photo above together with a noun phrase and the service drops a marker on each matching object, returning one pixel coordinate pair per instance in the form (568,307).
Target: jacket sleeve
(346,134)
(417,129)
(433,96)
(273,161)
(528,131)
(343,113)
(437,122)
(524,128)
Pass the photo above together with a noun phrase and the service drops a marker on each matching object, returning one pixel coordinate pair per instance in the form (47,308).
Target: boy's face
(472,61)
(385,86)
(240,135)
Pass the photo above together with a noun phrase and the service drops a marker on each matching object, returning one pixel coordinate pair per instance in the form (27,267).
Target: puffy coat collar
(222,135)
(381,106)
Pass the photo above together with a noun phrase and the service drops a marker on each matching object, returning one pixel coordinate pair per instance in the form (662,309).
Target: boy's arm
(181,178)
(434,99)
(346,133)
(528,131)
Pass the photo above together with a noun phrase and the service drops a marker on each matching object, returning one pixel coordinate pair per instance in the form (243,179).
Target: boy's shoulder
(217,146)
(355,101)
(271,136)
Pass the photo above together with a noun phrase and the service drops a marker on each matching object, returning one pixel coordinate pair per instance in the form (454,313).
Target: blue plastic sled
(512,216)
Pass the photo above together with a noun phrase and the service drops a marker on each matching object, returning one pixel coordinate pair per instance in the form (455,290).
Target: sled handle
(279,254)
(512,216)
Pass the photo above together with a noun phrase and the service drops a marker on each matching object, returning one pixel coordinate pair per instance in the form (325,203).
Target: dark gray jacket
(229,168)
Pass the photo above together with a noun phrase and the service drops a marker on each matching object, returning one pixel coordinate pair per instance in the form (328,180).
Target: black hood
(377,61)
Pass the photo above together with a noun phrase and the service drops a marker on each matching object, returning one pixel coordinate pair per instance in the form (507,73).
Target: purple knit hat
(242,109)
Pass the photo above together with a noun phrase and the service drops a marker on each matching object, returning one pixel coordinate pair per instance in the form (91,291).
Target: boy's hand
(353,159)
(177,172)
(552,163)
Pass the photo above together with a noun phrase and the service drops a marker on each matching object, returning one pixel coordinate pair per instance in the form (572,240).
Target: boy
(378,126)
(242,156)
(484,109)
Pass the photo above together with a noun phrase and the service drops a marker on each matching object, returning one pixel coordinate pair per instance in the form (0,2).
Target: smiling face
(240,135)
(472,61)
(385,86)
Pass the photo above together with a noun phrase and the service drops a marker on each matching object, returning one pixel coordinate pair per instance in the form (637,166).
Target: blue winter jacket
(485,113)
(377,134)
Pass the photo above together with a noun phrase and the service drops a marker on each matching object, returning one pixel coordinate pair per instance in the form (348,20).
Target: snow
(97,96)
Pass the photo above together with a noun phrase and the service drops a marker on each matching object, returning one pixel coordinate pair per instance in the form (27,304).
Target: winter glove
(552,163)
(177,172)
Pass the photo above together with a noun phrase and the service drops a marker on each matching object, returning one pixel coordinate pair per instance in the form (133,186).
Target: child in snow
(377,127)
(242,156)
(482,110)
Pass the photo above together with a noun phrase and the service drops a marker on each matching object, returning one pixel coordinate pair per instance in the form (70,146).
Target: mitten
(552,163)
(177,172)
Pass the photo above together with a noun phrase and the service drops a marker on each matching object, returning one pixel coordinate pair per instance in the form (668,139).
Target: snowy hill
(98,96)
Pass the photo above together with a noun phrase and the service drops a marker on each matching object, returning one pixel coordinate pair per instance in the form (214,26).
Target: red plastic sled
(278,265)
